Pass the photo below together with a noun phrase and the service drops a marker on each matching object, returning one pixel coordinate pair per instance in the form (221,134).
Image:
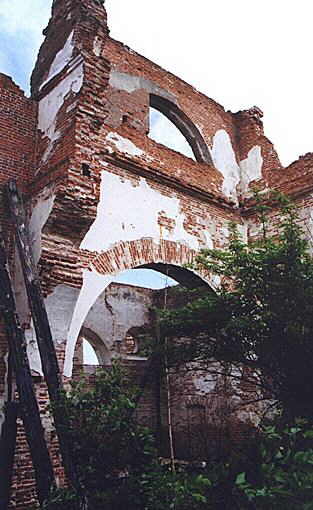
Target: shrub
(285,475)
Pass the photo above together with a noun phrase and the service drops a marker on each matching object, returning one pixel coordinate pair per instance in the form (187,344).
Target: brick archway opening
(187,128)
(167,257)
(181,275)
(147,253)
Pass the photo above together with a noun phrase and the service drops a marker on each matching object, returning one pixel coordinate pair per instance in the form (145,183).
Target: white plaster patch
(54,138)
(251,167)
(32,350)
(129,83)
(60,306)
(97,44)
(208,240)
(224,159)
(204,383)
(123,81)
(93,285)
(124,145)
(215,281)
(243,231)
(61,59)
(225,232)
(50,105)
(39,216)
(134,215)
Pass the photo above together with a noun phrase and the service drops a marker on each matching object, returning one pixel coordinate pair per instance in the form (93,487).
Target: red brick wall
(17,138)
(17,133)
(17,157)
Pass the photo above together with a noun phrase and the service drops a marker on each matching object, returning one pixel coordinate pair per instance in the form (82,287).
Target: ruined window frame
(186,127)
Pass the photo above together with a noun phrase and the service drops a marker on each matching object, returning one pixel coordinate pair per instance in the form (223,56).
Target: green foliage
(163,490)
(106,443)
(116,461)
(63,499)
(276,472)
(262,315)
(285,472)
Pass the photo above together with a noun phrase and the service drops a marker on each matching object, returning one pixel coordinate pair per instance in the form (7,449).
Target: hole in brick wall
(90,356)
(124,119)
(163,131)
(170,126)
(86,170)
(129,344)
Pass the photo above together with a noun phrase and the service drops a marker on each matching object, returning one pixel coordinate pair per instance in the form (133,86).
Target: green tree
(261,318)
(284,477)
(107,444)
(116,460)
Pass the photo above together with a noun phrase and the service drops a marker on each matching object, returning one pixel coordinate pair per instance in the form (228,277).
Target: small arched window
(163,131)
(170,126)
(89,354)
(93,350)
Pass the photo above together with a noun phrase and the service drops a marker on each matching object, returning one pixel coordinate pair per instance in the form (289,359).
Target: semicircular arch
(125,255)
(185,125)
(146,253)
(100,348)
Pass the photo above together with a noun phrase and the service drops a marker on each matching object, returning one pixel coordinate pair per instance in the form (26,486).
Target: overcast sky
(241,53)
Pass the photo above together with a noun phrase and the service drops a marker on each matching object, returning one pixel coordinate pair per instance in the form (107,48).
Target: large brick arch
(122,256)
(145,252)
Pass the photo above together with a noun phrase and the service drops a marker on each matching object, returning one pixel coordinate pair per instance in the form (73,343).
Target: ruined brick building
(102,196)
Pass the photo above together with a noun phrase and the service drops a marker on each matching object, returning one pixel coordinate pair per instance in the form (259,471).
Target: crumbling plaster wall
(238,147)
(119,309)
(163,196)
(93,100)
(145,211)
(116,310)
(96,166)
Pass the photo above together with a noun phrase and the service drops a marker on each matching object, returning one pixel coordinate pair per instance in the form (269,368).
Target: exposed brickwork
(23,488)
(17,133)
(18,118)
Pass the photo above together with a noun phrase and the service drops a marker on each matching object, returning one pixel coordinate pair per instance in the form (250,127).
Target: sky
(241,53)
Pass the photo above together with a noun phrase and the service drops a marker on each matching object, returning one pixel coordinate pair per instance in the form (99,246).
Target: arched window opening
(170,126)
(167,286)
(89,354)
(91,350)
(149,277)
(163,131)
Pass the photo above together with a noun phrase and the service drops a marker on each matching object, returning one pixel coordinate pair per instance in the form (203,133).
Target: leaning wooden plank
(46,347)
(41,323)
(7,451)
(28,404)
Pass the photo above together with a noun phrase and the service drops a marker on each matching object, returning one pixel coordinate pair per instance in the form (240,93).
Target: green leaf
(240,479)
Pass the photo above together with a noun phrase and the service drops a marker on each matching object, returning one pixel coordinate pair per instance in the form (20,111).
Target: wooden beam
(28,404)
(36,303)
(46,347)
(7,451)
